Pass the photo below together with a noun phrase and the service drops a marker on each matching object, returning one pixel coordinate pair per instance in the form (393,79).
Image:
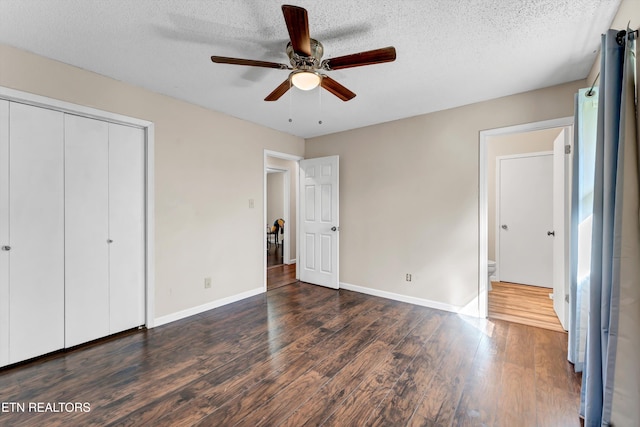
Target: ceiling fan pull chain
(290,102)
(320,105)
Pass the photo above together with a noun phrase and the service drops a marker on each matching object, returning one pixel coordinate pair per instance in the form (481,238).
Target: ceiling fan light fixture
(305,80)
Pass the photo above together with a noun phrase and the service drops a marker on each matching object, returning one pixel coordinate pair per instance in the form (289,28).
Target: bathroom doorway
(518,301)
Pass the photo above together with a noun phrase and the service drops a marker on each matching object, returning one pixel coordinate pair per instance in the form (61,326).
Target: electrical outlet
(207,282)
(408,277)
(251,204)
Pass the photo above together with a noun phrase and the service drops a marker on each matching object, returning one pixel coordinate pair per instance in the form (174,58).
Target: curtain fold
(625,409)
(585,121)
(615,234)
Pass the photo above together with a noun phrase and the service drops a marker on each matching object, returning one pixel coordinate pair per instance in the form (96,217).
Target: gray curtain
(615,234)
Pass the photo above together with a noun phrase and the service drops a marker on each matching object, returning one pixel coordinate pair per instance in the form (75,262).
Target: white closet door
(86,230)
(4,232)
(36,224)
(126,227)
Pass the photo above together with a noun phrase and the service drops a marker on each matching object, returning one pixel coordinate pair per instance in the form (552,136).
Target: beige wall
(207,167)
(409,194)
(505,145)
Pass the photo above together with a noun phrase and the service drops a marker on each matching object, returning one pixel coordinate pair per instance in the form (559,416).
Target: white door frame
(148,127)
(284,156)
(483,213)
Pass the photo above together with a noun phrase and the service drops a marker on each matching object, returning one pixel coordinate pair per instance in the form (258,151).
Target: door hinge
(567,149)
(566,298)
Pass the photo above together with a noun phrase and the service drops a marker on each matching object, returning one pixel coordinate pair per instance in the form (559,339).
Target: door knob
(504,227)
(109,241)
(6,248)
(551,233)
(333,228)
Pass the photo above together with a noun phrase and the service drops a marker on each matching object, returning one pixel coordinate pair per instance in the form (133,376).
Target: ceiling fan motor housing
(302,62)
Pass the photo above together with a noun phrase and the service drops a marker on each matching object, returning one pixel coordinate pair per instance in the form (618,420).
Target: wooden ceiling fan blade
(298,27)
(249,62)
(370,57)
(336,88)
(279,91)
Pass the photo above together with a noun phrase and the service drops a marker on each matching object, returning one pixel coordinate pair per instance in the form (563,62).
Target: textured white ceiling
(450,53)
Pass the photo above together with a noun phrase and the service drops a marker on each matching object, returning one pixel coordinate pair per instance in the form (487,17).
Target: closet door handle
(6,248)
(109,241)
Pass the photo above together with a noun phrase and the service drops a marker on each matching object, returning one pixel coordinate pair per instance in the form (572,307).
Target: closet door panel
(126,223)
(86,230)
(4,232)
(36,224)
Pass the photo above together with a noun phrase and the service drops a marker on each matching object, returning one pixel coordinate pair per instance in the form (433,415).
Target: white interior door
(86,230)
(525,198)
(126,227)
(561,164)
(36,225)
(319,221)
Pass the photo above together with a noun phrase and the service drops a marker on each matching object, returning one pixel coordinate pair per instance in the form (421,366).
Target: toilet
(491,269)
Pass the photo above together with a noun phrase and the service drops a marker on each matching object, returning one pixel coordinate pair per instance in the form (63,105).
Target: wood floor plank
(339,362)
(520,346)
(318,407)
(528,305)
(482,390)
(439,402)
(280,275)
(550,361)
(557,408)
(518,406)
(306,355)
(374,388)
(557,396)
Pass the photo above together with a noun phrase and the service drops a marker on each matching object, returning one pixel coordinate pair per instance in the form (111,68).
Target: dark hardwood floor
(274,255)
(280,275)
(305,355)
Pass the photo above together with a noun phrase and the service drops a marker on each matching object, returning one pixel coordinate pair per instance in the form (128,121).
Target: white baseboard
(205,307)
(292,261)
(470,309)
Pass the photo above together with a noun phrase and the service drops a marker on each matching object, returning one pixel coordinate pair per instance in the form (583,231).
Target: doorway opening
(523,300)
(277,209)
(280,207)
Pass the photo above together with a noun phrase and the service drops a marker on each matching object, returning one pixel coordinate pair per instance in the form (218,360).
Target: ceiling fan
(305,55)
